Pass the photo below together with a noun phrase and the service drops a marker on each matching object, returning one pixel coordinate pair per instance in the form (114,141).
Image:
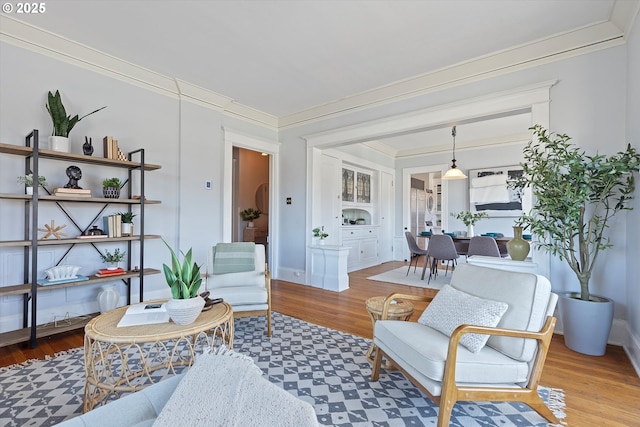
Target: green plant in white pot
(576,195)
(184,280)
(62,123)
(250,215)
(27,180)
(127,222)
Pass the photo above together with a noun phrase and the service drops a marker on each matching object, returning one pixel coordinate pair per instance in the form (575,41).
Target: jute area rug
(400,276)
(321,366)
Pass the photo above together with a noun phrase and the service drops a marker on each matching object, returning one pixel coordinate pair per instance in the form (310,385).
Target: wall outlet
(208,185)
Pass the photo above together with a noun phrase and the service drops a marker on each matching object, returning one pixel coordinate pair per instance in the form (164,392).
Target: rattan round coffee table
(398,310)
(127,359)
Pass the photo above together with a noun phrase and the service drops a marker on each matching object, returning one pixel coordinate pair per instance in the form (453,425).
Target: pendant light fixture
(454,172)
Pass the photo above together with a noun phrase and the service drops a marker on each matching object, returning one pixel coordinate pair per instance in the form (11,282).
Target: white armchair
(450,358)
(248,292)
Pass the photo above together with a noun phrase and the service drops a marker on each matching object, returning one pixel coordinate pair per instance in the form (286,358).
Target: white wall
(184,137)
(633,217)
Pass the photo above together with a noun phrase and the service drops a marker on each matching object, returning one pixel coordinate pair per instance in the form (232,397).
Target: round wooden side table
(398,310)
(127,359)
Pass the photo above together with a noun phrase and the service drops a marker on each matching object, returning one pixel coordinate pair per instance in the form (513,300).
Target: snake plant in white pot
(184,280)
(576,195)
(62,122)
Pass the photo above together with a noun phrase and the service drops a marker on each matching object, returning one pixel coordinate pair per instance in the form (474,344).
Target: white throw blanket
(227,389)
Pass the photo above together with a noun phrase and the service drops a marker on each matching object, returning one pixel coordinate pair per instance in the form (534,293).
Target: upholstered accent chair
(248,292)
(484,337)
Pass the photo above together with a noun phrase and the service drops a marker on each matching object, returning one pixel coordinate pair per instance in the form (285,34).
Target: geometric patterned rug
(324,367)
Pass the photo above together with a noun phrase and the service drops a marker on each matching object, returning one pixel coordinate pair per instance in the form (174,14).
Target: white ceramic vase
(470,230)
(127,229)
(108,298)
(29,191)
(59,143)
(184,311)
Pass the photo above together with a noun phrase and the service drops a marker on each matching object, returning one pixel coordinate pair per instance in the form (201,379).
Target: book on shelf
(49,282)
(112,225)
(92,236)
(114,270)
(111,150)
(110,273)
(144,314)
(72,192)
(107,147)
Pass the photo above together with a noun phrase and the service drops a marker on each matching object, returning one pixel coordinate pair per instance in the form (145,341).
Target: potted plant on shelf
(184,280)
(27,180)
(62,123)
(320,234)
(469,219)
(576,196)
(111,188)
(112,259)
(250,215)
(127,222)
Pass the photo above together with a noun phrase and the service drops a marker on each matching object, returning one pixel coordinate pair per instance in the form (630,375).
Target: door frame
(234,138)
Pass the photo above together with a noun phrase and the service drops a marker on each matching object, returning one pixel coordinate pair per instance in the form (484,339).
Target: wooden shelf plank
(80,158)
(53,242)
(26,288)
(22,335)
(94,279)
(48,198)
(15,290)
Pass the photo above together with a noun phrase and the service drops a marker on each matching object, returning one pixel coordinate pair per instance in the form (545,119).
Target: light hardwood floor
(599,391)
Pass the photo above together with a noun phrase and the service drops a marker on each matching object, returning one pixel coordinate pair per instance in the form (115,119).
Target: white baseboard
(632,348)
(291,275)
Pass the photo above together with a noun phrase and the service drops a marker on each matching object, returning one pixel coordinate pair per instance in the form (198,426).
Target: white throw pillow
(451,308)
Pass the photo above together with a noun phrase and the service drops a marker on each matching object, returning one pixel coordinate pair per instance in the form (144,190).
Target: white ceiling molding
(44,42)
(512,100)
(624,15)
(224,104)
(579,42)
(501,141)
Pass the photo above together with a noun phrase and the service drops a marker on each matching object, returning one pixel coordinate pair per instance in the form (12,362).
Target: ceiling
(283,57)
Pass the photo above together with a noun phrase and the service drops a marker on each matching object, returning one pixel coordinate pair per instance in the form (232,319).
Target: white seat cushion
(425,349)
(241,295)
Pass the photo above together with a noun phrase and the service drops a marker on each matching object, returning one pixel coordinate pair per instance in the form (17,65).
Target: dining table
(462,246)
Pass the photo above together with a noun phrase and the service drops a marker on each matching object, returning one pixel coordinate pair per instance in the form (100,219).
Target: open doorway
(250,191)
(425,202)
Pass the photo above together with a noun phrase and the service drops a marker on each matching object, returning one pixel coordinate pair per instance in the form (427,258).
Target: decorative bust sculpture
(75,174)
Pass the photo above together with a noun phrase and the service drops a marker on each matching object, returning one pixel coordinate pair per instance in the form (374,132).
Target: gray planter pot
(586,324)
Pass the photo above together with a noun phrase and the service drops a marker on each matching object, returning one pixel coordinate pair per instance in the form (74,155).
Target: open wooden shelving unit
(30,288)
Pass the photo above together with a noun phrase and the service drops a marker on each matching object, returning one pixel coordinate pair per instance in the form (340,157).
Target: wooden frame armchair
(248,292)
(506,369)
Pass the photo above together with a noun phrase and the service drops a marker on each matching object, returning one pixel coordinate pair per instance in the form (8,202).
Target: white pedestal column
(329,267)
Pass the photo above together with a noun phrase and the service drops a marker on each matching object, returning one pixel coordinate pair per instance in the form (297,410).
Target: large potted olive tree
(576,195)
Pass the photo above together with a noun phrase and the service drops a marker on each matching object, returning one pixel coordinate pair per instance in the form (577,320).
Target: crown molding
(578,42)
(560,46)
(501,102)
(35,39)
